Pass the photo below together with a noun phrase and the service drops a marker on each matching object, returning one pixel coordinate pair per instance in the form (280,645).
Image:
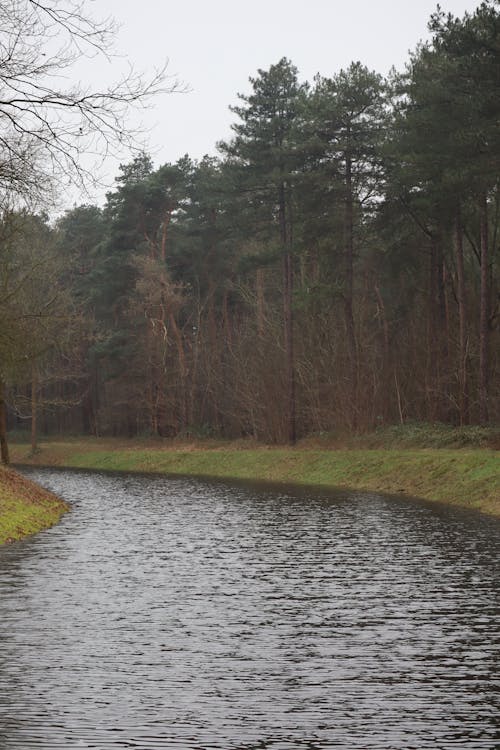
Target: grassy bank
(469,477)
(25,508)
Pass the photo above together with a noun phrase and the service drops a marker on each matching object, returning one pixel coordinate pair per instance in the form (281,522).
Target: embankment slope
(465,477)
(25,508)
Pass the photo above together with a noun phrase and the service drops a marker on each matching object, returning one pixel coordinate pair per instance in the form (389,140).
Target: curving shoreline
(464,477)
(26,508)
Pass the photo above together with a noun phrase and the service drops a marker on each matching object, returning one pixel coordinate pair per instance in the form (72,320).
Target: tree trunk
(4,447)
(349,286)
(431,342)
(463,396)
(288,315)
(484,318)
(289,349)
(259,284)
(34,410)
(437,336)
(183,373)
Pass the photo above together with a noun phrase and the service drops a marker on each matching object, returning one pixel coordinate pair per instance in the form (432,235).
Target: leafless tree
(49,119)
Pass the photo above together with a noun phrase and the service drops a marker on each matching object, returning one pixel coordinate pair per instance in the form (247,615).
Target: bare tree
(48,120)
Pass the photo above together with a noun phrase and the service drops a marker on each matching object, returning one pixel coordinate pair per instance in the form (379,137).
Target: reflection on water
(172,613)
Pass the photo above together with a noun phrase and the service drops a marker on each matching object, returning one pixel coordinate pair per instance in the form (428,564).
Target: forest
(333,269)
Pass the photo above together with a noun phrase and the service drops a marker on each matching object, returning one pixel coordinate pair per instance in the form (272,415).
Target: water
(173,613)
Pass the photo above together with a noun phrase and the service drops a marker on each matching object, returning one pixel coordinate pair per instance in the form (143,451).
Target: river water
(176,613)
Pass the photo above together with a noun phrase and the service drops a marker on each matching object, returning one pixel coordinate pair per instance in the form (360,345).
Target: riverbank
(469,477)
(25,508)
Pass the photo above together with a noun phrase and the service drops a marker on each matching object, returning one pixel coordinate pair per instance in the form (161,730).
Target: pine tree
(346,115)
(264,156)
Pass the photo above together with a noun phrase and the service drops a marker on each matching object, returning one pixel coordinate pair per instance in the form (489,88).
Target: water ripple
(171,613)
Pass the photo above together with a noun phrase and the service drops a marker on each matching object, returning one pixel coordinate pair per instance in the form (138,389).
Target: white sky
(215,46)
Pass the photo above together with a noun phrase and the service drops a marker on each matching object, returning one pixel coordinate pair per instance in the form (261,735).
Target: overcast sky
(215,46)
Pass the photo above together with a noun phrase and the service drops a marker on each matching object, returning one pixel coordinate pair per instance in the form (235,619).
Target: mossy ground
(469,477)
(25,508)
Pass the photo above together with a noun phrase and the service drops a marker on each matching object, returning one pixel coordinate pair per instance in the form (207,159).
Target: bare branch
(47,121)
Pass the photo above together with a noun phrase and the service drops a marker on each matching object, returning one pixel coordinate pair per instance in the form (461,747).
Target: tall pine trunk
(285,231)
(484,317)
(463,395)
(349,288)
(432,348)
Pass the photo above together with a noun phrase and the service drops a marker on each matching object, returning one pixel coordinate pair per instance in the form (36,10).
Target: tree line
(333,269)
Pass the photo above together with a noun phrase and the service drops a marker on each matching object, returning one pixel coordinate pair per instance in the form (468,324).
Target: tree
(137,305)
(78,233)
(45,126)
(264,154)
(473,45)
(346,114)
(447,152)
(34,309)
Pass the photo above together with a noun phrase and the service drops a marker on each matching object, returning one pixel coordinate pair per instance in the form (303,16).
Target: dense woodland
(334,269)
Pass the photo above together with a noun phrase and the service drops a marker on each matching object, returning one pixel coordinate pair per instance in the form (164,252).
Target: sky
(213,47)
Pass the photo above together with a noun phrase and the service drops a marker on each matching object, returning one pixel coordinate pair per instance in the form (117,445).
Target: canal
(182,614)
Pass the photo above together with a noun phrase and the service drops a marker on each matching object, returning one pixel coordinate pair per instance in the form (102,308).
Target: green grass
(435,462)
(25,508)
(469,477)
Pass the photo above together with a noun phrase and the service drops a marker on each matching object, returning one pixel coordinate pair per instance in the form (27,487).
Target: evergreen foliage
(336,268)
